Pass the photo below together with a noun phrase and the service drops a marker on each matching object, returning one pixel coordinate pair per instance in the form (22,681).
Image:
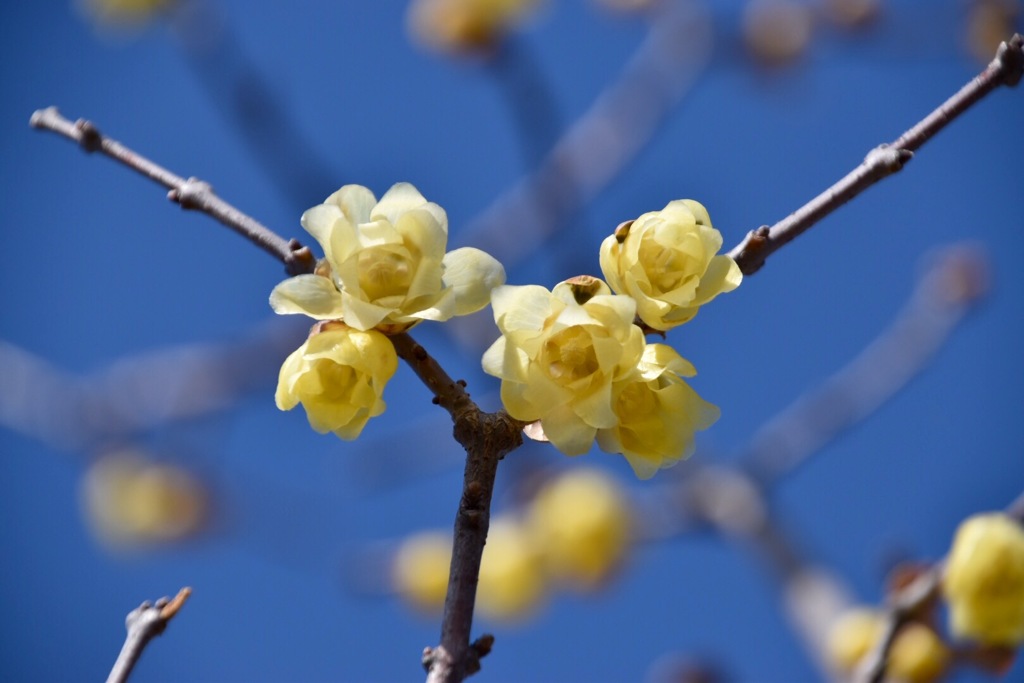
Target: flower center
(384,272)
(570,355)
(666,268)
(336,380)
(636,399)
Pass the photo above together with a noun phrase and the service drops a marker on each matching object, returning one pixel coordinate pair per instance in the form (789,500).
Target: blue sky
(99,266)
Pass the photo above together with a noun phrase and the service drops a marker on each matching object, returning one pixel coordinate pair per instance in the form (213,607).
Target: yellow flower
(465,25)
(338,375)
(984,580)
(125,11)
(512,582)
(657,413)
(129,500)
(558,356)
(419,572)
(917,655)
(582,521)
(385,264)
(667,261)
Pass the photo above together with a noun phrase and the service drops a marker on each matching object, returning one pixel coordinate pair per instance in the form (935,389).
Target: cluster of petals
(984,580)
(385,264)
(125,11)
(338,375)
(668,261)
(573,360)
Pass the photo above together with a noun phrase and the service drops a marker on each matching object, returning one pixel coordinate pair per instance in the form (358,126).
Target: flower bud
(666,260)
(984,580)
(338,375)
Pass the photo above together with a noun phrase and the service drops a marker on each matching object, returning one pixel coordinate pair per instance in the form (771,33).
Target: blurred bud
(420,570)
(917,655)
(512,582)
(129,500)
(465,26)
(776,31)
(853,13)
(989,22)
(582,522)
(852,636)
(125,12)
(984,580)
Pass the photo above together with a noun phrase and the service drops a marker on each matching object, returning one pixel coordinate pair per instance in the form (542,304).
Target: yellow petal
(310,295)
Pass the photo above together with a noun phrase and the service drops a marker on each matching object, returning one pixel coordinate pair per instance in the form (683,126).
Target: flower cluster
(573,360)
(917,655)
(385,269)
(466,25)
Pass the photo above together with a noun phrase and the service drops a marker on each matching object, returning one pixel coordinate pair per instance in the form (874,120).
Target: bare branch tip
(39,116)
(1010,60)
(173,606)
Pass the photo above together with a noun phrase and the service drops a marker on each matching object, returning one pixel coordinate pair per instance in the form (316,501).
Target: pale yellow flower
(984,580)
(419,572)
(582,522)
(130,499)
(338,375)
(667,261)
(657,413)
(917,654)
(557,358)
(385,264)
(512,580)
(125,11)
(465,25)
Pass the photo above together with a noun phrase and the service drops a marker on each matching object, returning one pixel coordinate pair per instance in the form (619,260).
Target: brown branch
(143,624)
(758,245)
(487,437)
(190,193)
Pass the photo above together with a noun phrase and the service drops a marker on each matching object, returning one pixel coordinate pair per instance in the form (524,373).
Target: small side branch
(143,624)
(189,193)
(881,162)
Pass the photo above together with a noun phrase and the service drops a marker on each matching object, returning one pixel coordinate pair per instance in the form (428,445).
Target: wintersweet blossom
(385,265)
(582,522)
(917,655)
(338,375)
(559,353)
(465,25)
(657,413)
(125,11)
(667,261)
(984,580)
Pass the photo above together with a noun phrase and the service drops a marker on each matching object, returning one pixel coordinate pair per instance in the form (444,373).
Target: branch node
(480,648)
(192,193)
(1010,60)
(750,252)
(90,139)
(300,259)
(886,160)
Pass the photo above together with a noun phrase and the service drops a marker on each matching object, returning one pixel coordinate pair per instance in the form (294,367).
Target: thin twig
(190,193)
(758,245)
(143,624)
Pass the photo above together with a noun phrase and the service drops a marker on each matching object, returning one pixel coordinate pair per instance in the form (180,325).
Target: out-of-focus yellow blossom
(776,32)
(125,11)
(512,580)
(559,354)
(989,22)
(130,500)
(852,636)
(853,13)
(984,580)
(385,264)
(465,25)
(657,413)
(582,523)
(667,260)
(917,655)
(338,375)
(419,572)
